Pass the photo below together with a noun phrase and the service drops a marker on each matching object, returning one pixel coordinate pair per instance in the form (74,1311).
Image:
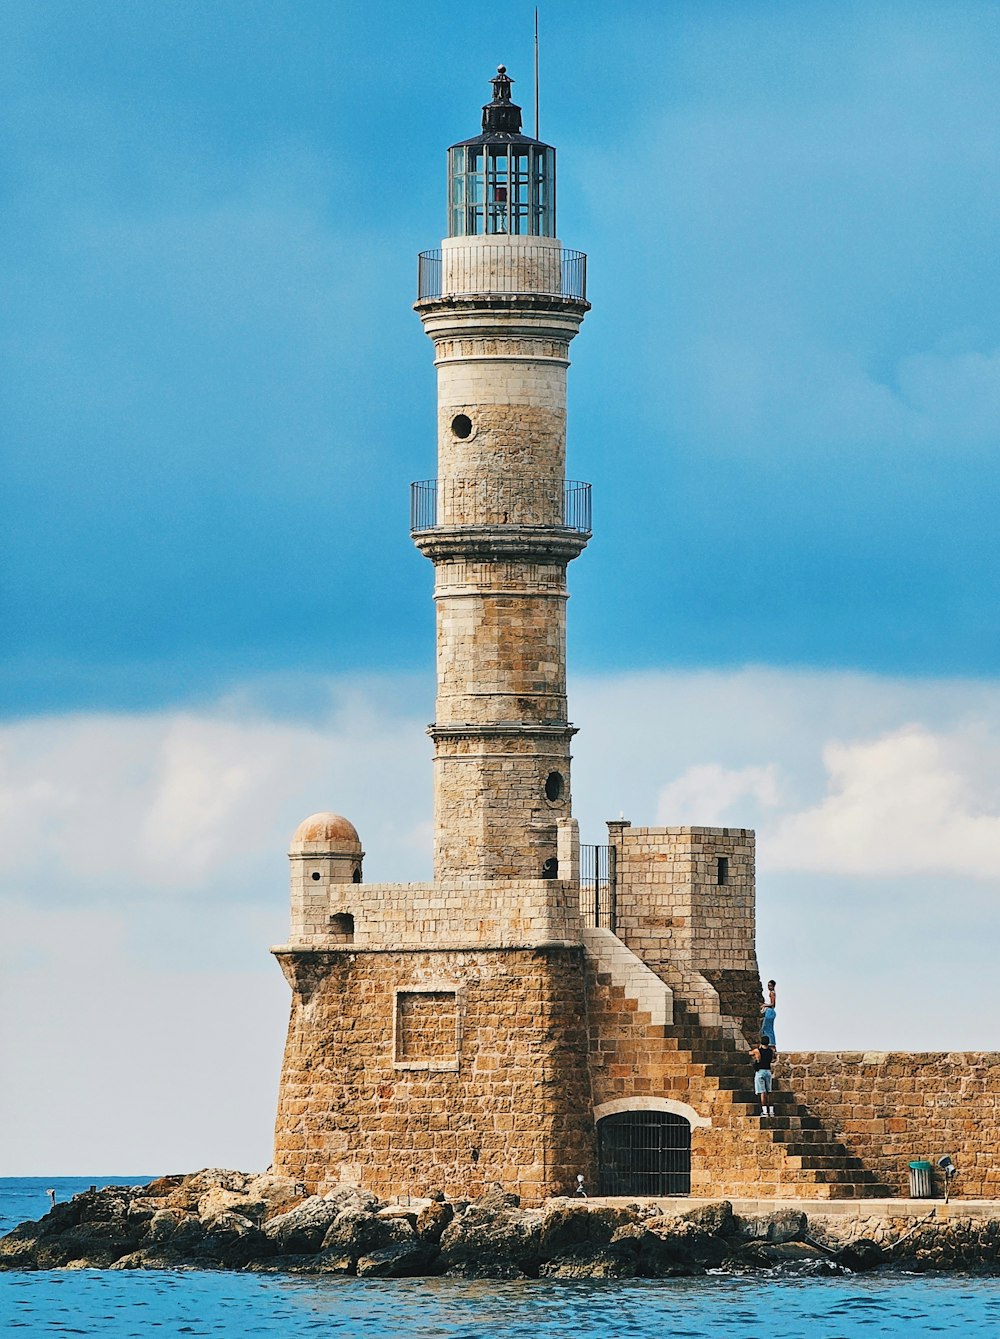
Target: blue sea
(138,1305)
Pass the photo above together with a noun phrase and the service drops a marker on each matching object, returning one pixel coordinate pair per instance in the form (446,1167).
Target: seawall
(893,1107)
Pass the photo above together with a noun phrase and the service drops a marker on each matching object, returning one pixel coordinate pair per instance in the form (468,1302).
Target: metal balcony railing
(488,270)
(499,501)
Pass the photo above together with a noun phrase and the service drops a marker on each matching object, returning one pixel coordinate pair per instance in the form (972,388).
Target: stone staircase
(648,1043)
(806,1147)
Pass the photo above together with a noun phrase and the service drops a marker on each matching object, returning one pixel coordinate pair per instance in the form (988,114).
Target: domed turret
(331,832)
(326,855)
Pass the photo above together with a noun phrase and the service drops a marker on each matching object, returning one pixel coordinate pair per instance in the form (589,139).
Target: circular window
(461,426)
(316,875)
(554,786)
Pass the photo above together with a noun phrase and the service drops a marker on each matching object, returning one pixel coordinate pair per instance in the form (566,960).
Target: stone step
(784,1133)
(826,1159)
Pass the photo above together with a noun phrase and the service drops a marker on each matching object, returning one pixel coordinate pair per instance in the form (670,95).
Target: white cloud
(174,803)
(899,804)
(706,795)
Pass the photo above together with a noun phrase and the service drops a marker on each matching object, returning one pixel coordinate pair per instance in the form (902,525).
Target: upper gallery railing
(491,269)
(499,501)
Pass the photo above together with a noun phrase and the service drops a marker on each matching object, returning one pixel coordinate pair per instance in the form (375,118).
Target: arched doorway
(644,1153)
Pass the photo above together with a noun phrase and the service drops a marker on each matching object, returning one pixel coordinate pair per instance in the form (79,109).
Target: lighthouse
(501,300)
(518,1019)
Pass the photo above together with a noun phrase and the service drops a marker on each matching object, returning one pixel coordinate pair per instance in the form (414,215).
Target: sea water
(168,1303)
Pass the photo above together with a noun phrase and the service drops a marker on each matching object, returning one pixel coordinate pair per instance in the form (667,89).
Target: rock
(218,1200)
(496,1200)
(357,1232)
(668,1245)
(353,1231)
(432,1220)
(482,1240)
(301,1230)
(568,1225)
(403,1261)
(277,1193)
(861,1256)
(716,1219)
(161,1186)
(588,1261)
(782,1225)
(233,1240)
(175,1227)
(94,1228)
(656,1256)
(17,1249)
(133,1260)
(327,1262)
(351,1197)
(186,1195)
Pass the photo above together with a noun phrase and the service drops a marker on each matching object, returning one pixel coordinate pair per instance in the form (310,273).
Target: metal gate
(598,902)
(644,1153)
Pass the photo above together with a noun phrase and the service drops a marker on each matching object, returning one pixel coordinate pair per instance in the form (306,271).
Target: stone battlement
(454,913)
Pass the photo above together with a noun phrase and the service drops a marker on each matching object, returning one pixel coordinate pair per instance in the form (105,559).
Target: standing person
(763,1058)
(768,1012)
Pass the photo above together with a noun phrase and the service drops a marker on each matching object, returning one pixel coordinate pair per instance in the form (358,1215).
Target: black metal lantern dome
(501,182)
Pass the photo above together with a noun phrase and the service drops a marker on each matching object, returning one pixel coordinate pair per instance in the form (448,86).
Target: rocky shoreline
(216,1219)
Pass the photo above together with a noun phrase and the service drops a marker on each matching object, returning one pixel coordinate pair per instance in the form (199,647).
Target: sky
(214,394)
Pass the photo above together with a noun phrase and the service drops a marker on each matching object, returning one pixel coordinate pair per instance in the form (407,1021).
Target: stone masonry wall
(892,1108)
(468,912)
(673,910)
(493,817)
(511,264)
(501,650)
(484,1080)
(501,729)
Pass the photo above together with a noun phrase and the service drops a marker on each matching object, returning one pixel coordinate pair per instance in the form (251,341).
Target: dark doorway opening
(644,1153)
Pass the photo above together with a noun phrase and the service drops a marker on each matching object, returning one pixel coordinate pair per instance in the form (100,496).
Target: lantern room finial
(501,116)
(501,84)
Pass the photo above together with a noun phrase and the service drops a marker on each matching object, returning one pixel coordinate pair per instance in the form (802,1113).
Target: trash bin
(920,1180)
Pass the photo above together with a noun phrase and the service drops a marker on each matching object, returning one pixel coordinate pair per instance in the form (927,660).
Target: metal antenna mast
(536,72)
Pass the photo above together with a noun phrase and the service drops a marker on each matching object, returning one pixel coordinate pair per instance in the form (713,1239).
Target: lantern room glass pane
(501,188)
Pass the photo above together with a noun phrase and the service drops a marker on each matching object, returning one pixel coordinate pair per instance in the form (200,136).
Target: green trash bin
(920,1180)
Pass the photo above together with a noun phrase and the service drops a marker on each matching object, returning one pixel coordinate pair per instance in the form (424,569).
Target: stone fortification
(891,1108)
(406,1071)
(510,1022)
(685,903)
(469,913)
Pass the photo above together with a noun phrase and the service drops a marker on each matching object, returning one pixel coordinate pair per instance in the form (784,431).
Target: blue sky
(215,394)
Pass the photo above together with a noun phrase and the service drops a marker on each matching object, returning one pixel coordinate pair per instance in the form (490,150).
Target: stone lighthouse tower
(501,300)
(438,1031)
(513,1021)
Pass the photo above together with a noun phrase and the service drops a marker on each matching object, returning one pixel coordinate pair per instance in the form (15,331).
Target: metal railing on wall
(502,269)
(598,887)
(500,501)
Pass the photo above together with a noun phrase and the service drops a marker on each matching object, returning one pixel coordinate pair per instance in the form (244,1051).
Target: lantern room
(501,182)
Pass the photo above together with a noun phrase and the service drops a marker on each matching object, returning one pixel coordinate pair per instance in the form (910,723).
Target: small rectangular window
(426,1029)
(722,870)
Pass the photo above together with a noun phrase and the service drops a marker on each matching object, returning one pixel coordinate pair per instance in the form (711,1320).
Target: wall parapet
(456,913)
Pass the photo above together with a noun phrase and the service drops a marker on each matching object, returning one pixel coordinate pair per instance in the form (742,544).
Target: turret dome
(332,831)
